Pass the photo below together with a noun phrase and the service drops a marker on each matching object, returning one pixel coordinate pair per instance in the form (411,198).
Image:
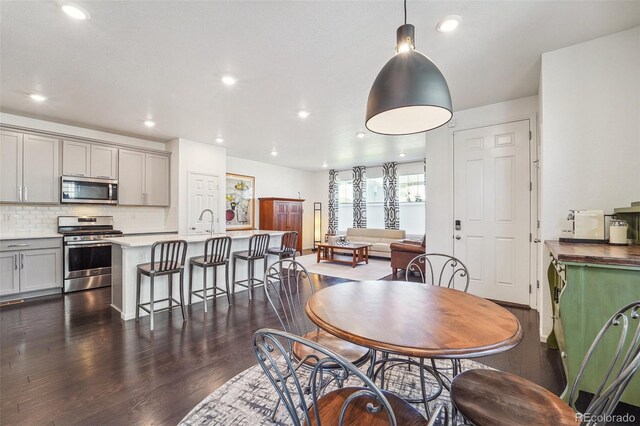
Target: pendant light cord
(405,12)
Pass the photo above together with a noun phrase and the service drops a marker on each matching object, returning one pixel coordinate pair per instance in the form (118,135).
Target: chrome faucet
(202,215)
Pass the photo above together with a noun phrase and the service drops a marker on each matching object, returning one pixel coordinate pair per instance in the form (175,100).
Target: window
(375,203)
(411,194)
(345,205)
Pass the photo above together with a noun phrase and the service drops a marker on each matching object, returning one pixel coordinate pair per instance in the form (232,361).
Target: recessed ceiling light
(360,135)
(274,152)
(229,80)
(448,23)
(219,140)
(303,114)
(74,11)
(402,154)
(324,164)
(149,123)
(37,97)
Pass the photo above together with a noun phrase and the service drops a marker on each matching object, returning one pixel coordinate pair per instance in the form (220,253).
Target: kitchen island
(128,252)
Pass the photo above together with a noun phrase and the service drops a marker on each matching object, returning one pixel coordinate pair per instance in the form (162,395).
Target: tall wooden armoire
(282,214)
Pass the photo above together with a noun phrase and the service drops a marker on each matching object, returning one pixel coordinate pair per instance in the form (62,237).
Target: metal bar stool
(216,253)
(170,260)
(257,250)
(287,246)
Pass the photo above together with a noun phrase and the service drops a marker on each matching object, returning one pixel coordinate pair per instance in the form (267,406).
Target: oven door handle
(87,243)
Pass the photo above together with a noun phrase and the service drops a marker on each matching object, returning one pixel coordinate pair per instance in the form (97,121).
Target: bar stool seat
(171,256)
(258,245)
(216,253)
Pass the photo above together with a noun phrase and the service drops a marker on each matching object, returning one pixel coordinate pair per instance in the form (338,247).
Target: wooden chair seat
(330,405)
(199,260)
(355,354)
(159,268)
(489,397)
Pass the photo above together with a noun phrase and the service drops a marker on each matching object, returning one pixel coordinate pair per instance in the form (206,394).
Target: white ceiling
(164,60)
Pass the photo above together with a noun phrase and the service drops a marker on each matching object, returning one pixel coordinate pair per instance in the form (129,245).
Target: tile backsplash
(24,218)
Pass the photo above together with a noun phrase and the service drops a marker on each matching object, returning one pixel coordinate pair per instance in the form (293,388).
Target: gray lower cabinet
(30,265)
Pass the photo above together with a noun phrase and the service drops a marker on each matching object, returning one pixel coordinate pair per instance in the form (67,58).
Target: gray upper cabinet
(11,167)
(89,160)
(104,162)
(30,168)
(143,179)
(156,180)
(76,158)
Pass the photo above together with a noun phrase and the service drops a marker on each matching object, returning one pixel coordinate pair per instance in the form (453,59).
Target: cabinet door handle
(104,177)
(26,196)
(21,261)
(20,193)
(19,245)
(77,174)
(15,259)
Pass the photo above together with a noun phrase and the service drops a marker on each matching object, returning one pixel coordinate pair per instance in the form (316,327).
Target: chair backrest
(441,270)
(217,249)
(621,331)
(289,241)
(168,255)
(287,286)
(300,393)
(258,245)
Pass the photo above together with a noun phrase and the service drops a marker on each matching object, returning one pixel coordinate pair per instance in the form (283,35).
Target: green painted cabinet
(584,296)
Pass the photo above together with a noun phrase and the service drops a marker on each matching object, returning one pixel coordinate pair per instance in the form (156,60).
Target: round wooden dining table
(414,319)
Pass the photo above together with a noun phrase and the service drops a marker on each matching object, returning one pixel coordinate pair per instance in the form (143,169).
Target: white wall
(439,154)
(590,126)
(190,156)
(277,181)
(81,132)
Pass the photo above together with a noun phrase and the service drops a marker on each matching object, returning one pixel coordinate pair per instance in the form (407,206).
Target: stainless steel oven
(87,257)
(83,190)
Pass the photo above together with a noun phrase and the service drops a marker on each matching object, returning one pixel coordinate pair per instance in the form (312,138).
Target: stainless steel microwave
(81,190)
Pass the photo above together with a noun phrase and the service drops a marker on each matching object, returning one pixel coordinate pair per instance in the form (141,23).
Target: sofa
(380,239)
(403,252)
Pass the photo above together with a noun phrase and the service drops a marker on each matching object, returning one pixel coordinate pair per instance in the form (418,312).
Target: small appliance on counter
(618,232)
(584,226)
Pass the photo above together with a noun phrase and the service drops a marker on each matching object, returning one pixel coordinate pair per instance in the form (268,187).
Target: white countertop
(148,240)
(24,235)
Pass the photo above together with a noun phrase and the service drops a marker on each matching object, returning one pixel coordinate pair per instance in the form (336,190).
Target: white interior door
(203,194)
(492,209)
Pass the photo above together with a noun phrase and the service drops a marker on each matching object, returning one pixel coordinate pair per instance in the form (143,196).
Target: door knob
(458,237)
(193,228)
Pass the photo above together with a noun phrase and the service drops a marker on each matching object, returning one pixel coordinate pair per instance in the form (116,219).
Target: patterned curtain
(333,202)
(359,197)
(391,203)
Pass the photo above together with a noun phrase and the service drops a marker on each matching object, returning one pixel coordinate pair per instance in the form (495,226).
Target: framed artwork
(240,202)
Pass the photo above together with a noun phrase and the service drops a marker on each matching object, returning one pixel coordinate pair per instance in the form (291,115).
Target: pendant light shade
(410,94)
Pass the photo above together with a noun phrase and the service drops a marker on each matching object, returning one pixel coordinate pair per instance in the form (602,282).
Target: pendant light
(410,94)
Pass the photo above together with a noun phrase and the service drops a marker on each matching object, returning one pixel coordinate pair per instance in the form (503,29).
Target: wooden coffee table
(359,253)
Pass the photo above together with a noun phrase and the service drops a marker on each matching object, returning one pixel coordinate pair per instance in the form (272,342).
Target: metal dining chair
(216,253)
(287,288)
(491,397)
(167,258)
(320,398)
(444,271)
(258,245)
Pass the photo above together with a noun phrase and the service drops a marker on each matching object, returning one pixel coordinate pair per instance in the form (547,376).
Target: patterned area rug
(247,399)
(376,269)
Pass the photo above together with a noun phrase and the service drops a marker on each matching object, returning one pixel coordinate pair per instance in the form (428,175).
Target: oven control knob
(75,238)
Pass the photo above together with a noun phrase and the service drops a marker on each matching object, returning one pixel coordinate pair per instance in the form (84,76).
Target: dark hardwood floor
(69,359)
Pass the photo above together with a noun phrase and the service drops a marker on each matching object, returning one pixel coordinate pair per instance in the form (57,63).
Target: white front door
(492,209)
(203,194)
